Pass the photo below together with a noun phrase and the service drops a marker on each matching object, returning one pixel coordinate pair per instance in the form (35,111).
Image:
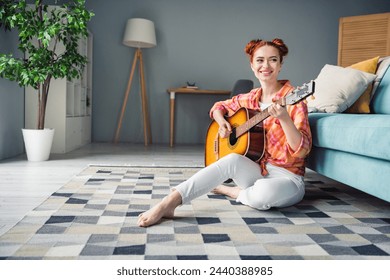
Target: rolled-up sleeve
(299,113)
(230,106)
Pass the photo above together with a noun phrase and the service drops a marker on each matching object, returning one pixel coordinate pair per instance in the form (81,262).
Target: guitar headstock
(300,93)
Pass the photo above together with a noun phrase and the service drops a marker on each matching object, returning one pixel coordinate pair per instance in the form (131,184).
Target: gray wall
(11,106)
(198,41)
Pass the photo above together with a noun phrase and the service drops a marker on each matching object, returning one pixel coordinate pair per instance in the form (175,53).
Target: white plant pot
(38,143)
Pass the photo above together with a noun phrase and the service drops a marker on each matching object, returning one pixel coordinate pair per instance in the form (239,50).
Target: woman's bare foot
(164,209)
(231,192)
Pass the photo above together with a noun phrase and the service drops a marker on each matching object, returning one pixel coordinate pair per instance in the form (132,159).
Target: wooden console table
(174,91)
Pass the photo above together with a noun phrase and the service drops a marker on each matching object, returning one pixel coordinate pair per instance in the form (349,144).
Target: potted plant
(41,28)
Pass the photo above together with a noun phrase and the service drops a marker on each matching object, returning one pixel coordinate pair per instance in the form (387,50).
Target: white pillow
(337,88)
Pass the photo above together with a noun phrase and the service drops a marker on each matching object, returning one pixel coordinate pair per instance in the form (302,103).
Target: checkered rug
(94,217)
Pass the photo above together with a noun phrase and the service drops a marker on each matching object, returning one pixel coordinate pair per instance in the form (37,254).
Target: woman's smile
(266,72)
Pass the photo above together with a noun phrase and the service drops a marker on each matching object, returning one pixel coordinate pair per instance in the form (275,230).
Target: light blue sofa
(354,149)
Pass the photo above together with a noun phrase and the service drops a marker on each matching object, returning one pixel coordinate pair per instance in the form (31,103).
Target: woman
(277,181)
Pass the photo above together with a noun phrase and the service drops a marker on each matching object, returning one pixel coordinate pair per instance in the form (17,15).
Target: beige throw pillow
(337,88)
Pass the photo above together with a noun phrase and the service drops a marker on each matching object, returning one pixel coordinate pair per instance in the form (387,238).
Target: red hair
(277,43)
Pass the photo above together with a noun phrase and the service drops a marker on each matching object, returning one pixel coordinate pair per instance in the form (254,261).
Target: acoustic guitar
(247,137)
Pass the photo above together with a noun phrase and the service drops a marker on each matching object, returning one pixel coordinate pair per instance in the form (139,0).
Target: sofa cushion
(380,102)
(383,64)
(337,88)
(363,134)
(362,105)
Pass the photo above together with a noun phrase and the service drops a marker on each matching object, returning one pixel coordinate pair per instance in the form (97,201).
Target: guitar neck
(255,120)
(297,95)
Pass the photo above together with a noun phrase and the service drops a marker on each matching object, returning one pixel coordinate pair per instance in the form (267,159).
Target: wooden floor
(24,185)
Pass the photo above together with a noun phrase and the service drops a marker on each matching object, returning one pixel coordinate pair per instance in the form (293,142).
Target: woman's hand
(278,111)
(225,129)
(224,126)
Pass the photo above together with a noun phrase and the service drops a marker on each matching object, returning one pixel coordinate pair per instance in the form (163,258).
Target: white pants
(280,188)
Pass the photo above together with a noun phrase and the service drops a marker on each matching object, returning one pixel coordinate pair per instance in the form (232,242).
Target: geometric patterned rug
(94,217)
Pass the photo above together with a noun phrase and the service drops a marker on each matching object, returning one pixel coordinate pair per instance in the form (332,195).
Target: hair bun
(278,41)
(252,46)
(281,46)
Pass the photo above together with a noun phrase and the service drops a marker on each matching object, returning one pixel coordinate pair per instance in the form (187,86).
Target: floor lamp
(139,34)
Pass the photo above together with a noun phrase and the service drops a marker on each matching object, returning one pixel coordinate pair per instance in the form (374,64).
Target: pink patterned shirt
(277,151)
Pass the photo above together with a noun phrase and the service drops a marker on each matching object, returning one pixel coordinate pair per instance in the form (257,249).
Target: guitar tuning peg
(312,97)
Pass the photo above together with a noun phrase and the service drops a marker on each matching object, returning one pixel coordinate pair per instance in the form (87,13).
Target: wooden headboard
(363,37)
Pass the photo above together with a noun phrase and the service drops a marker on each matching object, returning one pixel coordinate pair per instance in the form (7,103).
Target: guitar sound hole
(232,138)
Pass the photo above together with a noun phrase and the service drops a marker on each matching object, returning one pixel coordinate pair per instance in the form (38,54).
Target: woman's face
(266,64)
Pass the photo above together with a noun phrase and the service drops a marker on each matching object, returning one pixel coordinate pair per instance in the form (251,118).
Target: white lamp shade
(139,33)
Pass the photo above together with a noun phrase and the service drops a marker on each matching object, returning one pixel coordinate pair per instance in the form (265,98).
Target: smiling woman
(276,180)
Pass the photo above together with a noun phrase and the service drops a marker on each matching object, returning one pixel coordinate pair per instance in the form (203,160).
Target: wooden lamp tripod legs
(144,100)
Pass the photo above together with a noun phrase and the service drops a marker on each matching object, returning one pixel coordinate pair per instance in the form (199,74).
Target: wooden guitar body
(250,144)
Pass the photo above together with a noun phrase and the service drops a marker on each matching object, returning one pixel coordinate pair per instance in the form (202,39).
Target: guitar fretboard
(297,95)
(256,119)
